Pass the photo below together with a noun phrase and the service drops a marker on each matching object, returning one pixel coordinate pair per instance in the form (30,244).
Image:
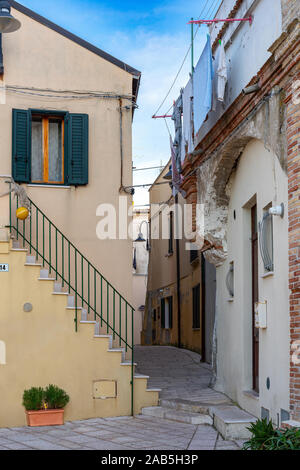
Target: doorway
(255,331)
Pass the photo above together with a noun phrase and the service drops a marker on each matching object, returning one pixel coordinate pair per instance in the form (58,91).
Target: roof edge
(157,178)
(81,42)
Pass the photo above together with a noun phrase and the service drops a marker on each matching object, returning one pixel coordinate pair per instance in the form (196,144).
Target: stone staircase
(214,409)
(87,353)
(58,290)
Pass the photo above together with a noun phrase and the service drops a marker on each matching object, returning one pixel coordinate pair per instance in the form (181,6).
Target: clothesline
(205,88)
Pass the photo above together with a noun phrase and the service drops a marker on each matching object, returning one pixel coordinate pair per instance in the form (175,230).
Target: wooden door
(255,331)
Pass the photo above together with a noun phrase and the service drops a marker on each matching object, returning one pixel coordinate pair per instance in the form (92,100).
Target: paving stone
(17,446)
(4,441)
(105,445)
(41,444)
(80,438)
(20,436)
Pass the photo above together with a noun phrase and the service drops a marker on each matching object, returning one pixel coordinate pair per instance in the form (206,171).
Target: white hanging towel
(221,73)
(187,128)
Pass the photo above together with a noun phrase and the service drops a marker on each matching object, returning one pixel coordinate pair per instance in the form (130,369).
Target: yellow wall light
(22,213)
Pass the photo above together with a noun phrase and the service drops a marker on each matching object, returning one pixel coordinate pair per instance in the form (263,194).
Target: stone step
(71,301)
(119,350)
(30,259)
(15,243)
(44,274)
(231,421)
(201,406)
(177,415)
(84,315)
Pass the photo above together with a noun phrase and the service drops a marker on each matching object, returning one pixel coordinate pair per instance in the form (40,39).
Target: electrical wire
(72,94)
(212,11)
(180,68)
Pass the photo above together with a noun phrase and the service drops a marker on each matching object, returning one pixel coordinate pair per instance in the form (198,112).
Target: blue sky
(152,36)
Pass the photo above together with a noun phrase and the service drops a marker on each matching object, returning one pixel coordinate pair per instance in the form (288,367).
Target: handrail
(80,254)
(80,278)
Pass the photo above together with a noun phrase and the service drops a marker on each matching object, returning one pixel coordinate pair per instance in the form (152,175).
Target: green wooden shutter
(78,149)
(171,312)
(162,309)
(21,145)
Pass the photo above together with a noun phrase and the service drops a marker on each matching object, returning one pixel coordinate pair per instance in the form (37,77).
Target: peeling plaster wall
(266,124)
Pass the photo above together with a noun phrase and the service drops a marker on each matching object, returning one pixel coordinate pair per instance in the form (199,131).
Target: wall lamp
(8,24)
(277,210)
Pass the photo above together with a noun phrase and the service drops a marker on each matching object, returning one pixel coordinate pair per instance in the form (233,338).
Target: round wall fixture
(268,383)
(27,307)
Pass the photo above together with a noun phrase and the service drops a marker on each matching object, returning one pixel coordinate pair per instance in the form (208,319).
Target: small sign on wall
(4,268)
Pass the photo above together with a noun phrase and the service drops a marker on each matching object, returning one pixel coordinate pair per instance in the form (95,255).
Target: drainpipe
(178,275)
(129,190)
(1,57)
(121,142)
(203,282)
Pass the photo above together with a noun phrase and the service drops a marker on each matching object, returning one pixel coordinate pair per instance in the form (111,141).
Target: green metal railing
(92,291)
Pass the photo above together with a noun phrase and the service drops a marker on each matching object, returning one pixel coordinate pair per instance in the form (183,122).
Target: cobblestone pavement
(139,433)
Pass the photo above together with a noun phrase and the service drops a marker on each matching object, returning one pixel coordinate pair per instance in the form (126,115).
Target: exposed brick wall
(290,11)
(281,71)
(293,162)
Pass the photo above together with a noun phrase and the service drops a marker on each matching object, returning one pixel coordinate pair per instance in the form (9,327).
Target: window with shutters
(50,147)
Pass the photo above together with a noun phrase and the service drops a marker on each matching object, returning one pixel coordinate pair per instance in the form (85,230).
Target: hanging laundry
(176,176)
(220,76)
(203,81)
(187,110)
(176,117)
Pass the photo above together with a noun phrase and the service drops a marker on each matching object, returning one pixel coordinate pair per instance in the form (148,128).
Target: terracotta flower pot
(45,418)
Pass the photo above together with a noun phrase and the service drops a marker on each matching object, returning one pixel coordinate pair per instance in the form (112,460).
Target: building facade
(245,170)
(66,289)
(180,291)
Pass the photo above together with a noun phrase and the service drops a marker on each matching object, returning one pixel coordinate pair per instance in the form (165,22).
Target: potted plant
(45,407)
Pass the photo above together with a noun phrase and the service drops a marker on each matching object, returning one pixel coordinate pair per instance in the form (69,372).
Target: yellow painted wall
(36,56)
(42,347)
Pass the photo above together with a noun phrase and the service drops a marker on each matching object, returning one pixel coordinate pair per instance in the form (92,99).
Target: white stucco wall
(258,175)
(246,48)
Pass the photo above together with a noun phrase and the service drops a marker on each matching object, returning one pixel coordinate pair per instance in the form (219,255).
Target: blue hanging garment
(203,81)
